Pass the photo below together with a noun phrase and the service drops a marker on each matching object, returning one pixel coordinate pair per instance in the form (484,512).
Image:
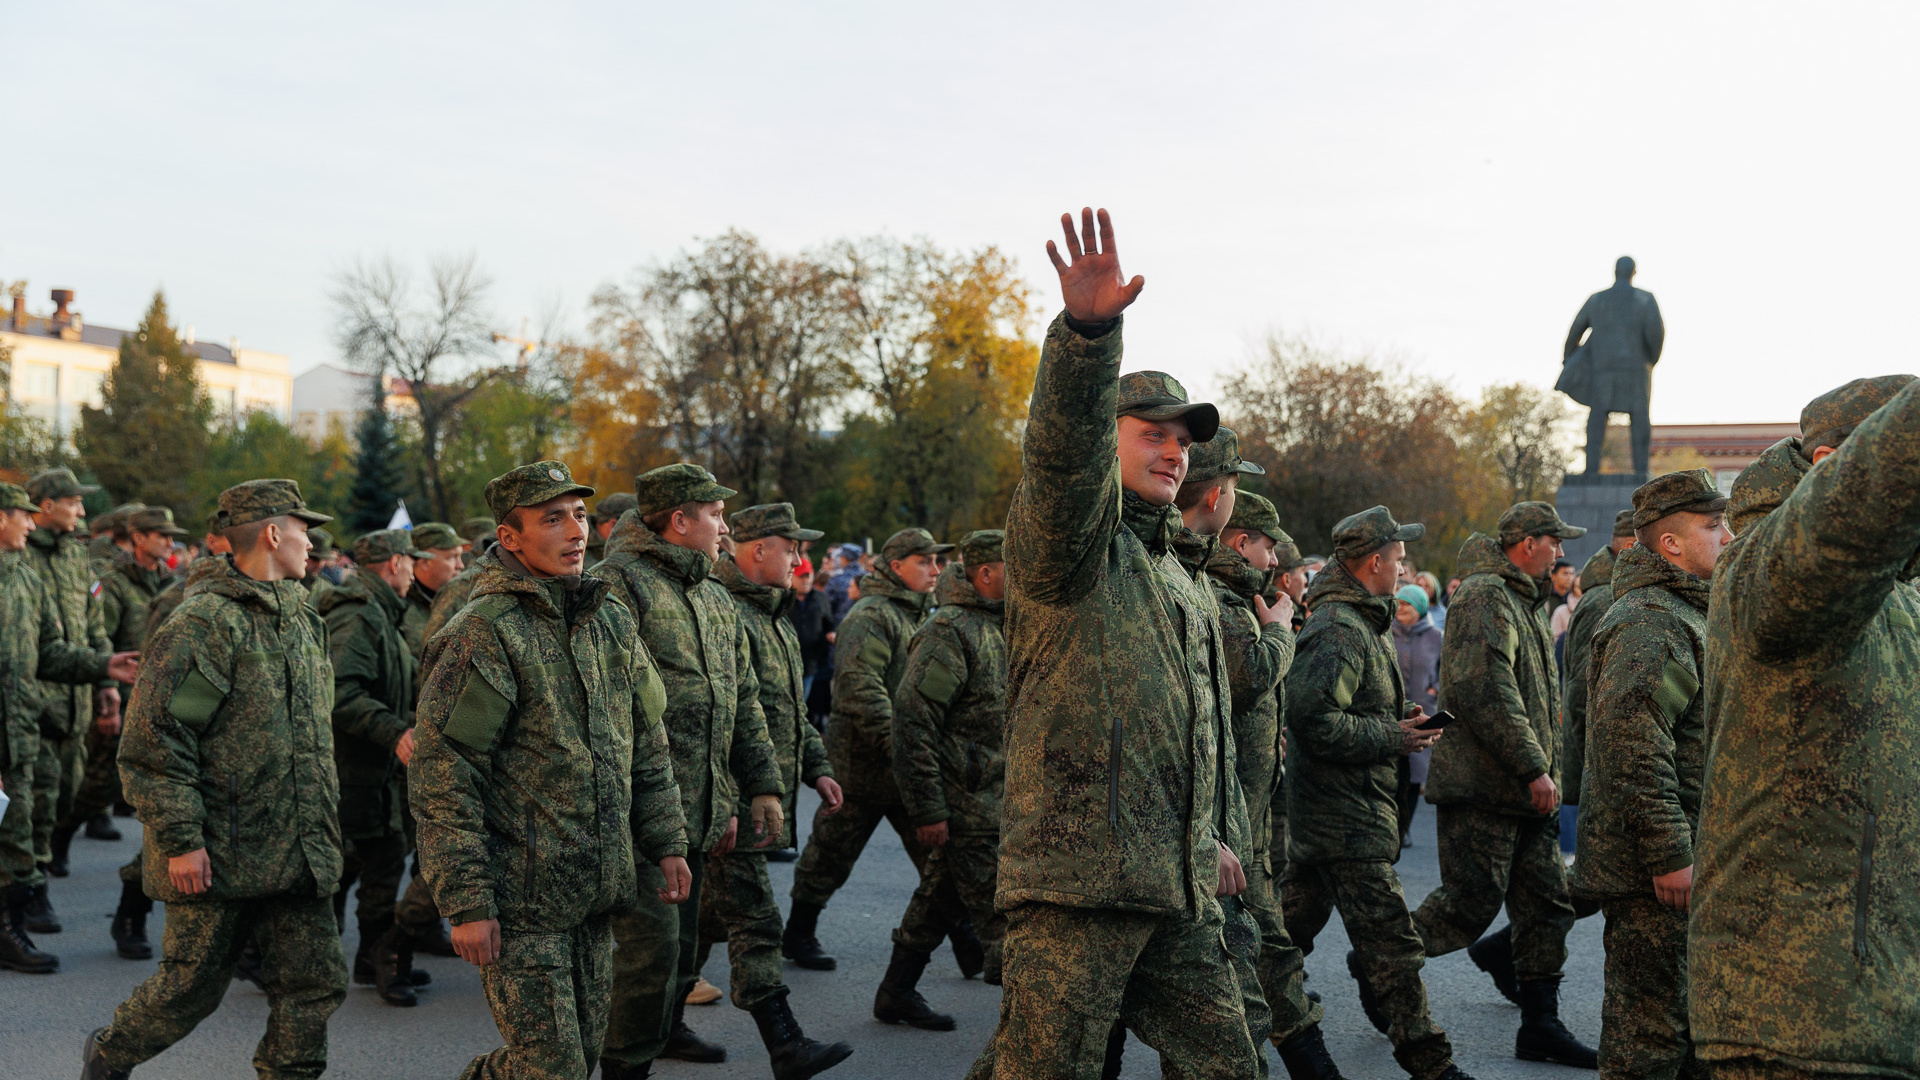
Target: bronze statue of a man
(1611,370)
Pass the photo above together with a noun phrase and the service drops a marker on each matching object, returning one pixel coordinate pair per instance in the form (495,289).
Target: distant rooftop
(109,337)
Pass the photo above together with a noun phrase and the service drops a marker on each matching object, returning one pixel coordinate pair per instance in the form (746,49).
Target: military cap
(322,541)
(1524,519)
(1623,522)
(478,529)
(1156,395)
(531,485)
(676,485)
(56,484)
(611,507)
(768,519)
(436,536)
(1362,534)
(151,519)
(1218,457)
(1692,490)
(115,520)
(1290,557)
(981,547)
(258,500)
(1255,514)
(383,544)
(14,497)
(1832,416)
(913,541)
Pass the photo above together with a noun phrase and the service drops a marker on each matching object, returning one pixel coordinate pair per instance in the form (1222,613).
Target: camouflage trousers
(1281,968)
(99,779)
(306,977)
(835,845)
(1643,1017)
(967,868)
(56,780)
(1072,972)
(737,907)
(1242,936)
(548,994)
(1367,894)
(1748,1068)
(1488,860)
(22,757)
(655,947)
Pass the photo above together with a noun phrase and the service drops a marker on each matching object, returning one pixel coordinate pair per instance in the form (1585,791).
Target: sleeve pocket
(1676,690)
(478,716)
(196,699)
(875,652)
(939,683)
(653,693)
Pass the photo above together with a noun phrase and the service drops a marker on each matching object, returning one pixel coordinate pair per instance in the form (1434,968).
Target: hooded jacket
(33,650)
(1498,678)
(61,564)
(1257,661)
(1805,939)
(413,625)
(228,743)
(1596,596)
(164,605)
(373,692)
(774,648)
(869,659)
(950,711)
(541,765)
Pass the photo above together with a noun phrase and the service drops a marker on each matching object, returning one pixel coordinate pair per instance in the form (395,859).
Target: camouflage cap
(1692,490)
(1218,457)
(531,485)
(321,539)
(56,484)
(1290,557)
(1525,519)
(1623,522)
(1368,531)
(14,497)
(911,542)
(981,547)
(436,536)
(258,500)
(116,518)
(152,519)
(478,529)
(383,544)
(1255,513)
(1156,395)
(676,485)
(768,519)
(1831,417)
(611,507)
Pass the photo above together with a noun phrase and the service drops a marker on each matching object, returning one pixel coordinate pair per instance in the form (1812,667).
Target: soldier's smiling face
(1153,457)
(551,538)
(14,527)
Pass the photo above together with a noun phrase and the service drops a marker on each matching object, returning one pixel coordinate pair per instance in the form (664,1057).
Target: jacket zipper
(233,810)
(533,851)
(1866,886)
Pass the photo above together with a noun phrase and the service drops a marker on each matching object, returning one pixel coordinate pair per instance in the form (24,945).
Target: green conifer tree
(377,476)
(151,429)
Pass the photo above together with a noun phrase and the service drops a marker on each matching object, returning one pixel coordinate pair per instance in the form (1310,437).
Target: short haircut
(1648,535)
(1190,494)
(1228,534)
(660,519)
(245,538)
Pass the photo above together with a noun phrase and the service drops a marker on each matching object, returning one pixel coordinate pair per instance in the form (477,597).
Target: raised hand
(1092,285)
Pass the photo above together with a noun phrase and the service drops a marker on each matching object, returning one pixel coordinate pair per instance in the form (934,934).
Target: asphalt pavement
(45,1019)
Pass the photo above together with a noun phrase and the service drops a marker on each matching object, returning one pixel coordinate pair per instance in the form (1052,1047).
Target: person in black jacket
(812,617)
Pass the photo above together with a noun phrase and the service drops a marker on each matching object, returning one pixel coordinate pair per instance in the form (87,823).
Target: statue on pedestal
(1609,358)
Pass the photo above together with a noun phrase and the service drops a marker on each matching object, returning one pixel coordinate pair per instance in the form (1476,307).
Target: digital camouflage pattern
(124,593)
(869,660)
(737,906)
(1643,1017)
(1596,596)
(1803,947)
(204,568)
(1490,858)
(60,562)
(548,993)
(373,692)
(949,711)
(530,485)
(773,650)
(413,624)
(447,603)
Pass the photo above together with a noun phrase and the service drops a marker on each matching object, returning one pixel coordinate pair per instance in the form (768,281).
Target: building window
(1724,478)
(223,401)
(88,386)
(41,381)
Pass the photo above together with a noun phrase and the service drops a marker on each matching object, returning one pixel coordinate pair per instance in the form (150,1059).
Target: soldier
(479,532)
(218,551)
(1802,950)
(1110,856)
(1492,780)
(228,757)
(738,895)
(659,565)
(454,594)
(606,514)
(35,648)
(541,769)
(111,536)
(1350,722)
(437,563)
(1648,743)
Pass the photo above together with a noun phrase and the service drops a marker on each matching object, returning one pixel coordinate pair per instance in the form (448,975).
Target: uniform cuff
(1678,862)
(1091,331)
(479,914)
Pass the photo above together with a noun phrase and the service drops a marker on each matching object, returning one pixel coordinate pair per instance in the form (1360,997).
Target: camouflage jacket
(228,743)
(869,659)
(541,765)
(1498,677)
(60,562)
(447,603)
(775,652)
(1805,940)
(1114,706)
(1647,730)
(201,569)
(373,692)
(949,712)
(691,628)
(126,593)
(1596,596)
(1258,659)
(1345,699)
(413,625)
(35,652)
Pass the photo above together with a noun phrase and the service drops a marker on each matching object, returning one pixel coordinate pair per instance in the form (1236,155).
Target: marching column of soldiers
(1136,755)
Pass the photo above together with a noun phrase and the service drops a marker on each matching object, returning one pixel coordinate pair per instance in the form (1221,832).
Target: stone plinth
(1591,502)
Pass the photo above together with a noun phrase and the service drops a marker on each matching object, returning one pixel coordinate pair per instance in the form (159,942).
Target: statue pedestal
(1591,503)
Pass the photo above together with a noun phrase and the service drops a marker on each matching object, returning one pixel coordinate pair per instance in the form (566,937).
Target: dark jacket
(949,712)
(373,691)
(1258,659)
(1596,596)
(812,619)
(869,658)
(61,563)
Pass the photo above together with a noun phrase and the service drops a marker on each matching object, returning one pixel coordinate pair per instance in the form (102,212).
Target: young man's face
(1153,457)
(436,567)
(1294,584)
(63,515)
(1563,579)
(1258,550)
(770,561)
(551,538)
(1380,572)
(290,552)
(699,527)
(153,546)
(1209,522)
(918,572)
(1699,539)
(15,525)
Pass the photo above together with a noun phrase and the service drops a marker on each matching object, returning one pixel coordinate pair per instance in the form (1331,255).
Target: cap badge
(556,474)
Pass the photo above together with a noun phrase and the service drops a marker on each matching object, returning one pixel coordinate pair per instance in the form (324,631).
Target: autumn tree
(151,430)
(517,417)
(261,444)
(617,420)
(1525,434)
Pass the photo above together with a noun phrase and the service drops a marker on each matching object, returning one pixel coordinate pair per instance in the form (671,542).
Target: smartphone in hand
(1436,722)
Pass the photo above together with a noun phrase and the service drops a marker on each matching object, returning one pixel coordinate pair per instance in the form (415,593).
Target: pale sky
(1445,181)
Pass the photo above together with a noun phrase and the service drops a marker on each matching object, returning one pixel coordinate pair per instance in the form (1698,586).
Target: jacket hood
(364,587)
(955,589)
(1194,550)
(1481,554)
(573,599)
(1638,568)
(1156,526)
(632,535)
(883,582)
(1598,570)
(1766,483)
(773,601)
(46,539)
(1230,568)
(1334,584)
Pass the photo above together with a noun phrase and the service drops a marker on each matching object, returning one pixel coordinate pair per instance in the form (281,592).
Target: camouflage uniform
(1802,948)
(415,908)
(721,752)
(1345,699)
(449,600)
(541,769)
(607,510)
(1596,596)
(428,536)
(228,748)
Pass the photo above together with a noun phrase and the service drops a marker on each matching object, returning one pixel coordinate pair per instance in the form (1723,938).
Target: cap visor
(309,516)
(940,549)
(1203,420)
(1279,537)
(803,534)
(1408,532)
(173,530)
(713,493)
(1568,532)
(1250,468)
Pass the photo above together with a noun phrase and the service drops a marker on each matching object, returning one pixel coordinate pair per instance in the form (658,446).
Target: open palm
(1092,285)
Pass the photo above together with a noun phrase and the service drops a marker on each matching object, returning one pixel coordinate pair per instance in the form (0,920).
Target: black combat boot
(62,842)
(1542,1036)
(1369,1004)
(92,1067)
(434,940)
(785,854)
(1455,1072)
(897,1002)
(100,827)
(797,941)
(16,948)
(1306,1058)
(130,923)
(1493,954)
(363,971)
(684,1045)
(392,956)
(122,808)
(613,1070)
(794,1056)
(968,950)
(41,918)
(250,967)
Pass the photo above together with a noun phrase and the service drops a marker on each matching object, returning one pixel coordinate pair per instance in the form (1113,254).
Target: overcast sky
(1446,181)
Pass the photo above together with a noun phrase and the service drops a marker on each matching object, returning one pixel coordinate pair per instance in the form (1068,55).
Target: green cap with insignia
(321,539)
(478,529)
(1692,490)
(1156,395)
(1830,418)
(531,485)
(115,520)
(436,536)
(1290,557)
(383,544)
(1362,534)
(1255,513)
(913,541)
(258,500)
(14,497)
(982,547)
(611,507)
(1525,519)
(676,485)
(768,519)
(1217,457)
(56,484)
(1623,522)
(152,519)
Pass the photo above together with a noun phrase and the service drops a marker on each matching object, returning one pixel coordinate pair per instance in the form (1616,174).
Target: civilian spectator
(1560,582)
(1417,641)
(847,566)
(1436,608)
